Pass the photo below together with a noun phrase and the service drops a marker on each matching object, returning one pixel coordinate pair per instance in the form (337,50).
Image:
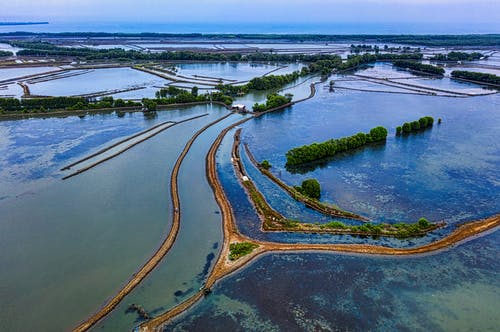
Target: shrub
(415,125)
(265,164)
(398,130)
(311,188)
(406,127)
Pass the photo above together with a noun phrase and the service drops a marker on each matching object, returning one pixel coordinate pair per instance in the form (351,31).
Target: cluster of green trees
(6,53)
(399,230)
(265,164)
(60,103)
(475,76)
(273,100)
(240,249)
(428,40)
(417,66)
(272,81)
(458,56)
(318,151)
(170,95)
(408,127)
(310,188)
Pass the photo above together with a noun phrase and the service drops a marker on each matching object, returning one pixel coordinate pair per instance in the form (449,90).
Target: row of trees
(417,66)
(6,53)
(170,95)
(408,127)
(475,76)
(318,151)
(458,56)
(428,40)
(273,100)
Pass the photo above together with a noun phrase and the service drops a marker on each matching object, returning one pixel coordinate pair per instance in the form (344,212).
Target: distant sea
(281,28)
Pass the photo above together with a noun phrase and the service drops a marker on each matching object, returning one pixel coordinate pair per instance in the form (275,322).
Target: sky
(254,11)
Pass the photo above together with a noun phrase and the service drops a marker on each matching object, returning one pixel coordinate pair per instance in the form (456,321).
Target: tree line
(458,56)
(475,76)
(414,126)
(6,53)
(417,66)
(273,100)
(318,151)
(427,40)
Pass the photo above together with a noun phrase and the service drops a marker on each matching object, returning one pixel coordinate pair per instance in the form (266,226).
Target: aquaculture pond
(449,172)
(102,80)
(83,238)
(453,290)
(70,245)
(234,71)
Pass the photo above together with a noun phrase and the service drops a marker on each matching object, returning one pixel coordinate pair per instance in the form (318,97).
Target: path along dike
(224,266)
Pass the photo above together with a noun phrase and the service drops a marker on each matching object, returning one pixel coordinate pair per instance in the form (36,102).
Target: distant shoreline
(22,23)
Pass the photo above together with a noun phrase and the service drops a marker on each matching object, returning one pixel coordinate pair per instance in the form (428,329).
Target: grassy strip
(274,221)
(237,250)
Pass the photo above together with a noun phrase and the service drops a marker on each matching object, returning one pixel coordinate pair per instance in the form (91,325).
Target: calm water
(83,238)
(455,290)
(449,172)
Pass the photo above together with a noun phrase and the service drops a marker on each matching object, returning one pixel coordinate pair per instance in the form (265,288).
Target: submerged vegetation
(317,151)
(475,76)
(238,250)
(419,67)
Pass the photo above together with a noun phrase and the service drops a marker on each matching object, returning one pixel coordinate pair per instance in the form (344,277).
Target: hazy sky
(305,11)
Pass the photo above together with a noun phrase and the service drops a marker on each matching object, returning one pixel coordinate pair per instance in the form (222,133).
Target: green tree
(194,91)
(398,130)
(406,127)
(265,164)
(311,188)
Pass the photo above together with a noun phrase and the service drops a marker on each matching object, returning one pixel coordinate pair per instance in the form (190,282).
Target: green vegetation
(475,76)
(273,100)
(439,120)
(310,188)
(149,104)
(414,126)
(458,56)
(419,67)
(399,230)
(317,151)
(427,40)
(168,96)
(6,53)
(265,164)
(237,250)
(35,105)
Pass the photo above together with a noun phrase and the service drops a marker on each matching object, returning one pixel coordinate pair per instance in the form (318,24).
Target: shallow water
(454,290)
(447,172)
(84,237)
(99,80)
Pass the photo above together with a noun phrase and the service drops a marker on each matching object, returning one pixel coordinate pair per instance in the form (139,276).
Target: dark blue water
(455,290)
(450,172)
